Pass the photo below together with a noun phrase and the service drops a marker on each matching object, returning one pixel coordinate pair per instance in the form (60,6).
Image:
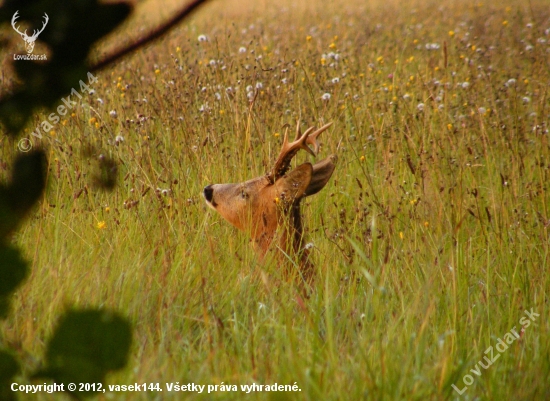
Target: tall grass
(431,239)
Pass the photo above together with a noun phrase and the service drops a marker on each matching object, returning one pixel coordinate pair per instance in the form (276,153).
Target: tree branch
(156,34)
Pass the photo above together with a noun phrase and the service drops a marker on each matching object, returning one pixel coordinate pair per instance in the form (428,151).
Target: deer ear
(294,184)
(322,172)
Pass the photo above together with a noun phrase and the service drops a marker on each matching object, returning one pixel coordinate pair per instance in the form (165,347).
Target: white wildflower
(432,46)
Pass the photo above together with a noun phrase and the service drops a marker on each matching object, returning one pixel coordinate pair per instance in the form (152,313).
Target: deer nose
(208,192)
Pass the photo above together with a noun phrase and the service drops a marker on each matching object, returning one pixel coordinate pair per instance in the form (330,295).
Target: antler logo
(29,40)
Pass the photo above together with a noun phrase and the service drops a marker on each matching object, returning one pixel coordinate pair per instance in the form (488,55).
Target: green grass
(431,239)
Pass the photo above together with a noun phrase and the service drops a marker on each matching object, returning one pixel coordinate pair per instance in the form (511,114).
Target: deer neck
(292,240)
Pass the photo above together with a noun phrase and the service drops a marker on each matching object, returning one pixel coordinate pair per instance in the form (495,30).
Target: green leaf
(8,369)
(13,270)
(25,188)
(15,112)
(69,34)
(107,176)
(85,346)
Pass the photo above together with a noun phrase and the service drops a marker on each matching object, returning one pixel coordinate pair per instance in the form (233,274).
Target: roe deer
(268,206)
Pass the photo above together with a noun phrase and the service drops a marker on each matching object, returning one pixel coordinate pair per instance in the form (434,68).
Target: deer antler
(24,34)
(35,33)
(289,150)
(312,138)
(13,20)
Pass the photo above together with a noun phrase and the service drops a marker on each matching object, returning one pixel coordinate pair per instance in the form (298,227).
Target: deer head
(268,207)
(29,40)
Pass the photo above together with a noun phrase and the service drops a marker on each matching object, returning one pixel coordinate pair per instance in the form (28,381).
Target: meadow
(430,241)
